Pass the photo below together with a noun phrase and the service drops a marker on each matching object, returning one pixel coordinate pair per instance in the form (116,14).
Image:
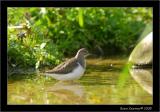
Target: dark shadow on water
(98,79)
(103,68)
(101,75)
(19,77)
(94,81)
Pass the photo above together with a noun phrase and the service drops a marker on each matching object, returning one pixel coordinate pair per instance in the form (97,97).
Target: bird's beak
(89,54)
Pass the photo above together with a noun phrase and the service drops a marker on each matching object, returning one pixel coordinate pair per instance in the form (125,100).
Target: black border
(78,3)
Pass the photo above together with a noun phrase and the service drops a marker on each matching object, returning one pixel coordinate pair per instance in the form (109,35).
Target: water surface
(97,86)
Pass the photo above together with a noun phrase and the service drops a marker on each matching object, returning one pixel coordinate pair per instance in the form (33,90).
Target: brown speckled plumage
(71,64)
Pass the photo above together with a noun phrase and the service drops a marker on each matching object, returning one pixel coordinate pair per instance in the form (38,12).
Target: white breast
(75,74)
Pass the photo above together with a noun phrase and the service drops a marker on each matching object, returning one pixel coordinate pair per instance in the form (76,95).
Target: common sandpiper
(71,69)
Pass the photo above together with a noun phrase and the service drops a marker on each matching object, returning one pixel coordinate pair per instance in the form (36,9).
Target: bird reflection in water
(69,92)
(144,78)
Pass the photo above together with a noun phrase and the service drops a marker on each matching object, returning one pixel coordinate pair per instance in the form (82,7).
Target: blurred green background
(40,37)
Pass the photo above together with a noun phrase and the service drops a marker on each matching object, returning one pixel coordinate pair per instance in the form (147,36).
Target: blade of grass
(80,17)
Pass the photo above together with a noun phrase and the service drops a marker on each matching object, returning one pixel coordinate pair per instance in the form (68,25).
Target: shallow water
(97,86)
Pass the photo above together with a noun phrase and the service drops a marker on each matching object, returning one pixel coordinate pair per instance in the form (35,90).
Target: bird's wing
(65,67)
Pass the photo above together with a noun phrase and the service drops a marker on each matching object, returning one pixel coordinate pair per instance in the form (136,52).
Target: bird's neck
(81,60)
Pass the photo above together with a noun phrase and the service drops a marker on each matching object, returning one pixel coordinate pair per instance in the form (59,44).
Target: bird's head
(82,52)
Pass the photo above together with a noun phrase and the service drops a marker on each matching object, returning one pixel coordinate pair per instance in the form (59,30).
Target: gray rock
(142,54)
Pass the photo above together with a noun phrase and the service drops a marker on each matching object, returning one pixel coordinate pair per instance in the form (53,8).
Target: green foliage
(52,33)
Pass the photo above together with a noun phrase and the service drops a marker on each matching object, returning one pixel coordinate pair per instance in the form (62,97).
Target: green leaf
(80,17)
(37,64)
(42,45)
